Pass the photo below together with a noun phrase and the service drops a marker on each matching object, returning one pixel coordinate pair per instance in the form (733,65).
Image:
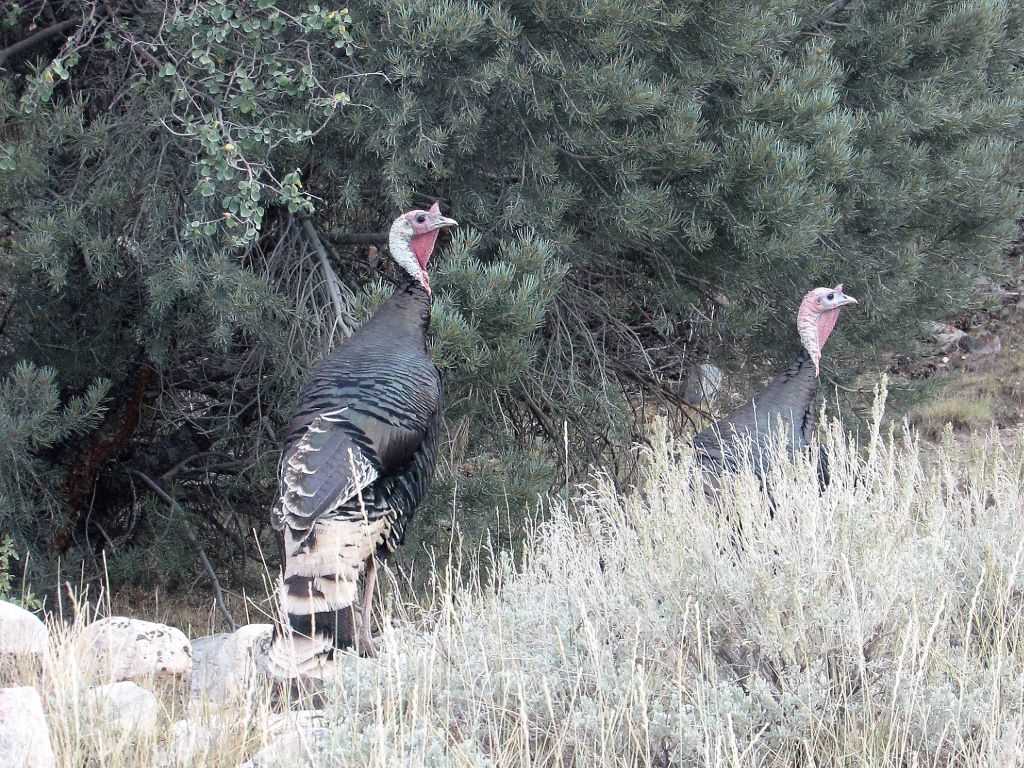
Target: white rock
(189,745)
(21,632)
(120,648)
(984,344)
(24,734)
(295,749)
(294,739)
(294,720)
(126,705)
(207,674)
(226,666)
(945,335)
(703,383)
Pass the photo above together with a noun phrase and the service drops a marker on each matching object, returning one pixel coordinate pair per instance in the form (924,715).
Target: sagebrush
(879,623)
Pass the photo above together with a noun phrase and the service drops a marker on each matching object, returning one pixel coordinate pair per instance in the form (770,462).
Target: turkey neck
(803,365)
(799,377)
(791,392)
(407,310)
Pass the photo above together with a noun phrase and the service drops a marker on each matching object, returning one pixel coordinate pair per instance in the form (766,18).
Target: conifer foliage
(624,170)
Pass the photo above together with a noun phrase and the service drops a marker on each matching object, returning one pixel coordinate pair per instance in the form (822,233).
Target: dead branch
(832,10)
(31,41)
(357,238)
(330,277)
(218,593)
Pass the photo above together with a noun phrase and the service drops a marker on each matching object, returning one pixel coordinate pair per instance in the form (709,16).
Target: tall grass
(877,624)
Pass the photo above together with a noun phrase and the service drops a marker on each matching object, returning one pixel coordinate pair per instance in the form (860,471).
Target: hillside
(201,200)
(973,378)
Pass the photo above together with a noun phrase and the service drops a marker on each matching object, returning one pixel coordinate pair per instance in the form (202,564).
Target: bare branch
(218,593)
(330,277)
(31,41)
(357,238)
(833,9)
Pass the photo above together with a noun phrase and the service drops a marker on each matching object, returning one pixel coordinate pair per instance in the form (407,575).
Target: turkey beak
(439,221)
(848,300)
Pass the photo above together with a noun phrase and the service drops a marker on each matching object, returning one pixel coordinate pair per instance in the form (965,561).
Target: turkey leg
(366,645)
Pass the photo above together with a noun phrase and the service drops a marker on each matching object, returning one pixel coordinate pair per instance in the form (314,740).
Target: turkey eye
(831,296)
(420,219)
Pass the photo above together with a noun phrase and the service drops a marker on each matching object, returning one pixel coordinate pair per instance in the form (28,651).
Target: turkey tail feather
(318,589)
(314,624)
(336,629)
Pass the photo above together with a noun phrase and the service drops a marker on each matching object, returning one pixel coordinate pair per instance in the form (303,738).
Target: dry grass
(959,412)
(82,736)
(193,612)
(879,624)
(976,391)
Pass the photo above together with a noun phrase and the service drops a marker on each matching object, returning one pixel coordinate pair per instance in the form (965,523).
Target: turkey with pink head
(358,458)
(789,398)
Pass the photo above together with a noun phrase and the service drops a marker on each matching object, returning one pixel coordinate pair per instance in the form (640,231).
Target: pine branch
(31,41)
(833,9)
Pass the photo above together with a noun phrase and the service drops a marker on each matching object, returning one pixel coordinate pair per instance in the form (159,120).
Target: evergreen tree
(624,170)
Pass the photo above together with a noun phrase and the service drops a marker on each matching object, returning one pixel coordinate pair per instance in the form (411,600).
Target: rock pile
(123,660)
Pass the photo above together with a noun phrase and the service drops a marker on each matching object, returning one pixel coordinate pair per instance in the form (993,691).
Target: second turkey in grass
(788,400)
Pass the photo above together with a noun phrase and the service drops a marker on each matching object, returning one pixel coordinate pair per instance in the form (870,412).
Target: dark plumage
(358,458)
(788,399)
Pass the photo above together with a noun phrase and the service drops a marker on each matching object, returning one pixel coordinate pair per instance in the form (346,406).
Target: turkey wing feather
(343,440)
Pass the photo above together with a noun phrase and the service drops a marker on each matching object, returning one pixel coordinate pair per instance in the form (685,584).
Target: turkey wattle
(358,457)
(788,398)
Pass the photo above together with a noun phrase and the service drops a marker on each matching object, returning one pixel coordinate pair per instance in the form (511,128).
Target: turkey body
(358,458)
(789,399)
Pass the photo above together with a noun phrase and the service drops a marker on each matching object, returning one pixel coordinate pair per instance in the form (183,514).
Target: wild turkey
(789,397)
(358,457)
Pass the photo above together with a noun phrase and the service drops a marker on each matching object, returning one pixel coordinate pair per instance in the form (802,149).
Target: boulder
(207,673)
(282,723)
(298,748)
(24,733)
(189,744)
(703,384)
(294,739)
(983,344)
(947,337)
(119,648)
(21,632)
(125,705)
(226,665)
